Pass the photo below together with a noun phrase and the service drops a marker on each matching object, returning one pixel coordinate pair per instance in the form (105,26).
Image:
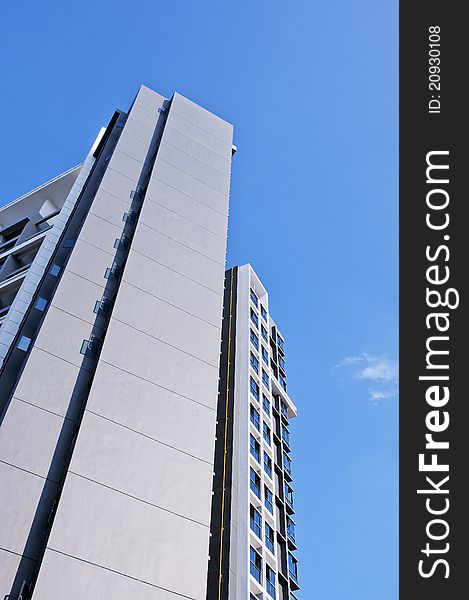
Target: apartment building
(121,472)
(253,543)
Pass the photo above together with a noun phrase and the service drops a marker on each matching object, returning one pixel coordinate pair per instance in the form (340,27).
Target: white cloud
(378,370)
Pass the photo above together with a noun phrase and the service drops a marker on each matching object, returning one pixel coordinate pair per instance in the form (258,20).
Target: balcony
(286,436)
(254,299)
(287,465)
(291,535)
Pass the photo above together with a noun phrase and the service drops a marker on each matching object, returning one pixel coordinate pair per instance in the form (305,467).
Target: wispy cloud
(379,370)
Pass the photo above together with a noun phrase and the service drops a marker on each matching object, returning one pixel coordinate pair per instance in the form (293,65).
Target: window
(256,521)
(263,313)
(54,270)
(255,483)
(280,343)
(265,355)
(266,432)
(254,318)
(254,298)
(293,567)
(254,363)
(284,409)
(289,495)
(267,464)
(254,389)
(256,565)
(287,463)
(255,448)
(24,342)
(255,418)
(41,304)
(68,243)
(254,340)
(281,363)
(113,271)
(285,435)
(270,581)
(283,382)
(268,499)
(266,404)
(290,529)
(269,538)
(265,378)
(264,333)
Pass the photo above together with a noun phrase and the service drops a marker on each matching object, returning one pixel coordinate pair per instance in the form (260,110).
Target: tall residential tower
(129,449)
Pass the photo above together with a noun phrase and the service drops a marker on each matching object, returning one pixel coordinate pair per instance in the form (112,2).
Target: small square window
(24,342)
(54,270)
(41,304)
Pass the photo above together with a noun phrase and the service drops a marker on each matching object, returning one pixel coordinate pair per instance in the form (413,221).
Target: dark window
(266,432)
(254,389)
(285,435)
(54,270)
(287,463)
(254,340)
(256,521)
(280,342)
(293,567)
(255,483)
(254,298)
(270,581)
(290,529)
(283,382)
(254,318)
(269,538)
(263,313)
(266,404)
(265,355)
(267,464)
(268,499)
(255,418)
(264,333)
(256,565)
(41,304)
(283,408)
(254,363)
(289,495)
(265,378)
(255,448)
(24,342)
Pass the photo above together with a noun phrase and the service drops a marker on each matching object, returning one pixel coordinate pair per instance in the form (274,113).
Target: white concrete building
(253,528)
(112,285)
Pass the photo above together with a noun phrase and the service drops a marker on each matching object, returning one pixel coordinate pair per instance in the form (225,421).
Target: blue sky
(312,90)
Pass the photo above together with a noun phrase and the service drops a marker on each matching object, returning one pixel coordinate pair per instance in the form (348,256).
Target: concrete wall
(133,519)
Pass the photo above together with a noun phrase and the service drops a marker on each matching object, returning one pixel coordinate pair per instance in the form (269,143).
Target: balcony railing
(270,587)
(256,573)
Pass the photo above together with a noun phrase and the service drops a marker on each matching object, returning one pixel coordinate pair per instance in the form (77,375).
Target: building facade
(253,529)
(113,306)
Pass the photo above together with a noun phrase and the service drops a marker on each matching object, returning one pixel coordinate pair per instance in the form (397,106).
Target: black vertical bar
(219,548)
(433,291)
